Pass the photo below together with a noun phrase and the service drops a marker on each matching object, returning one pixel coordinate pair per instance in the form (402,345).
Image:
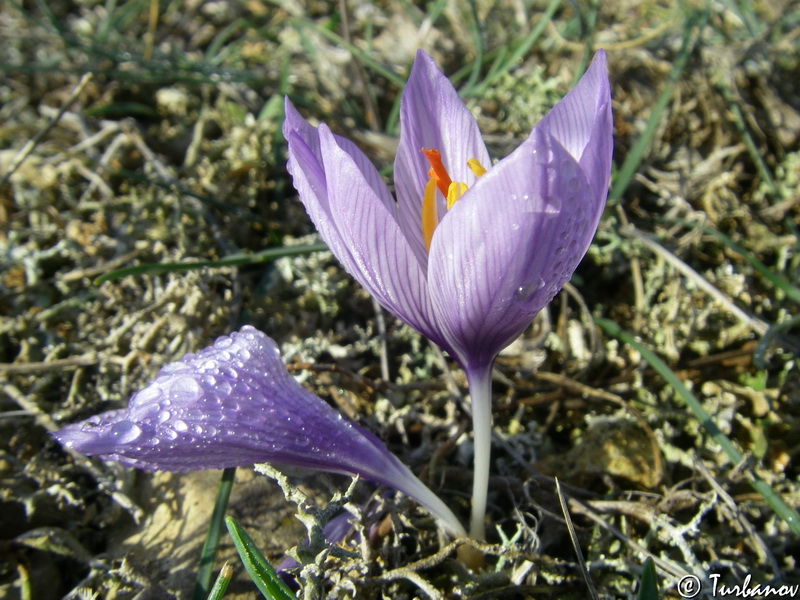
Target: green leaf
(260,571)
(221,584)
(234,260)
(694,23)
(648,586)
(203,579)
(772,498)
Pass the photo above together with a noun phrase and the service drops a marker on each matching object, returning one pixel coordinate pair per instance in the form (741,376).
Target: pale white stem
(412,486)
(480,391)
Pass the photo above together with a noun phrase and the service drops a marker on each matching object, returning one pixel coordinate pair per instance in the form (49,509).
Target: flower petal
(582,124)
(507,247)
(382,260)
(432,115)
(356,216)
(295,126)
(233,404)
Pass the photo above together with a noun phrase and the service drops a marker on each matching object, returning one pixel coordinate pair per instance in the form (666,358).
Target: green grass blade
(518,54)
(221,584)
(648,586)
(260,571)
(773,500)
(633,159)
(203,579)
(234,260)
(738,119)
(779,282)
(358,53)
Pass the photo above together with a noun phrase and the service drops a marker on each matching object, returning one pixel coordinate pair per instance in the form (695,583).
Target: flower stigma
(439,179)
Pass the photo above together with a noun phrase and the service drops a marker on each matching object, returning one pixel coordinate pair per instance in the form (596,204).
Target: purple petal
(233,404)
(432,115)
(355,215)
(507,247)
(582,124)
(295,126)
(382,260)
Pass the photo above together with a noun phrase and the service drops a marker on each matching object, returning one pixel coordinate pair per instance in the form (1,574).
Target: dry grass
(171,152)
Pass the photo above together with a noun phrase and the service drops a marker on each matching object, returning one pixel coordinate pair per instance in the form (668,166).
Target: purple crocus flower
(470,251)
(235,404)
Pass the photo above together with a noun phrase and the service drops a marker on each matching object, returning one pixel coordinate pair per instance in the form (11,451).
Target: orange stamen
(438,173)
(429,217)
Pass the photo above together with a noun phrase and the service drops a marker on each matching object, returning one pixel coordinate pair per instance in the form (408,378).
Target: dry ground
(139,133)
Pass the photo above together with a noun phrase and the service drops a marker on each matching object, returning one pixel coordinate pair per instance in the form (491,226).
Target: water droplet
(552,204)
(528,291)
(573,185)
(185,389)
(147,395)
(223,342)
(169,435)
(180,426)
(223,388)
(125,432)
(542,156)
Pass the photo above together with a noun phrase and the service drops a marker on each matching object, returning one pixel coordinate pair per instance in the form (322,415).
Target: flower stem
(480,391)
(423,494)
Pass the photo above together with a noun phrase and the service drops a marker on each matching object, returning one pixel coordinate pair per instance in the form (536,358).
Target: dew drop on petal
(223,388)
(223,342)
(526,292)
(125,432)
(180,426)
(185,389)
(147,395)
(542,156)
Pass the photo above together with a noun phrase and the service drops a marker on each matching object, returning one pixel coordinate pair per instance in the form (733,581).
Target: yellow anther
(454,192)
(429,217)
(439,179)
(476,167)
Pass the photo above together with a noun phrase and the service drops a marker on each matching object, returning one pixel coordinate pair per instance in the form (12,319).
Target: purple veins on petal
(469,261)
(235,404)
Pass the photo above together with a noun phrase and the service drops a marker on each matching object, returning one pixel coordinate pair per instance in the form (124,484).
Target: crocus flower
(470,251)
(235,404)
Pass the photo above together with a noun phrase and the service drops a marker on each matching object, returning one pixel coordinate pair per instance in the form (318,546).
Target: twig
(752,322)
(666,565)
(59,364)
(574,539)
(34,141)
(370,107)
(761,547)
(103,481)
